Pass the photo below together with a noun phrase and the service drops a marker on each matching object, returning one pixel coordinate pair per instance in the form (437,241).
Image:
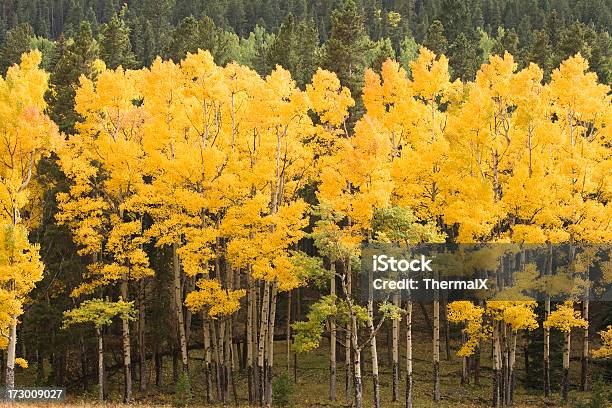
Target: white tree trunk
(100,365)
(10,355)
(178,307)
(497,375)
(332,340)
(396,365)
(584,368)
(373,350)
(265,305)
(436,349)
(566,365)
(409,354)
(127,353)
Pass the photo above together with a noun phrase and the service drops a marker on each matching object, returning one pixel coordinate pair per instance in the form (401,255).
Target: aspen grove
(229,195)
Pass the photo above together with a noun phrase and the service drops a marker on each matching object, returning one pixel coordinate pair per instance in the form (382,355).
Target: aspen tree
(605,351)
(419,183)
(355,183)
(474,331)
(104,162)
(309,332)
(390,102)
(271,215)
(582,107)
(28,134)
(565,318)
(100,313)
(330,102)
(166,155)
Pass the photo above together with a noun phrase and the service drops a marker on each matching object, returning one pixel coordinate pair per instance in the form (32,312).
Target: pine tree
(115,46)
(191,35)
(409,51)
(295,48)
(435,39)
(457,18)
(17,41)
(540,52)
(254,49)
(142,37)
(463,58)
(382,51)
(345,53)
(77,58)
(601,57)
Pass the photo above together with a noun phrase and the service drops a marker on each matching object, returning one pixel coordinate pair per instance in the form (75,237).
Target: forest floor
(312,385)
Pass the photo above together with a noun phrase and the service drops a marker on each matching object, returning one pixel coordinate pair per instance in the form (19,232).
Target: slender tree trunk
(512,372)
(546,349)
(228,338)
(373,350)
(446,332)
(263,331)
(566,365)
(436,347)
(546,356)
(10,355)
(9,376)
(207,356)
(40,366)
(409,354)
(465,375)
(477,363)
(298,314)
(100,365)
(142,349)
(395,347)
(356,363)
(250,336)
(83,362)
(257,299)
(348,339)
(584,362)
(270,348)
(178,305)
(234,353)
(505,365)
(497,375)
(288,339)
(127,354)
(332,339)
(526,355)
(217,360)
(227,355)
(221,361)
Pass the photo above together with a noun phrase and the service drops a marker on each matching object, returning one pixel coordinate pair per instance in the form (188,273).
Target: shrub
(282,390)
(599,397)
(182,391)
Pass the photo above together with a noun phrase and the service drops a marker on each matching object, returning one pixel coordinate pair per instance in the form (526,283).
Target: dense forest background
(300,35)
(345,37)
